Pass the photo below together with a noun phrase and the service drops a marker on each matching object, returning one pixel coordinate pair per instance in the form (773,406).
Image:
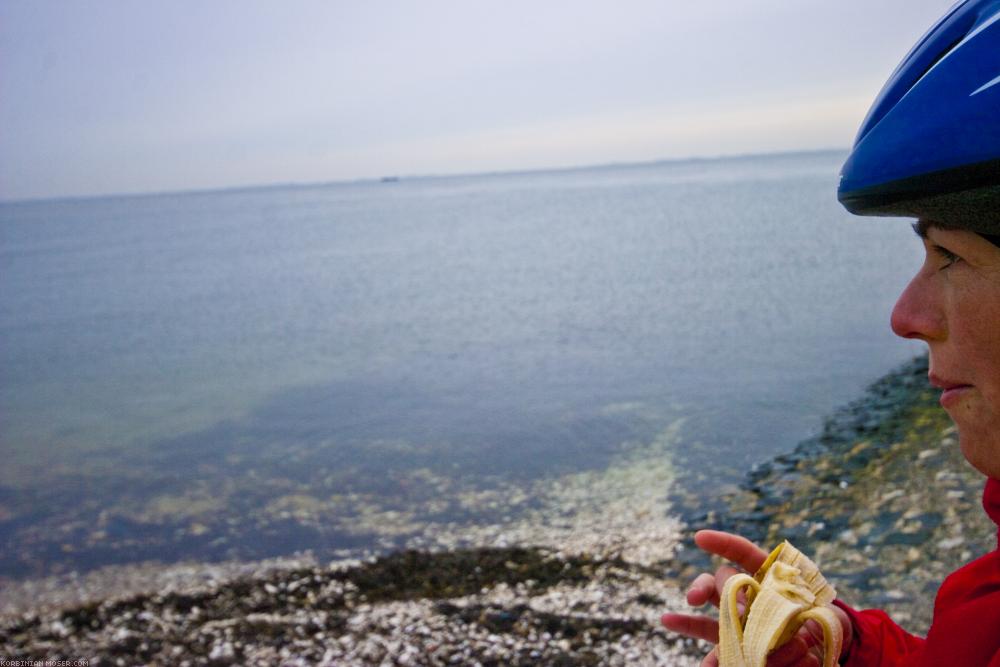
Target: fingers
(722,575)
(703,590)
(734,548)
(789,654)
(805,649)
(708,587)
(699,627)
(845,623)
(812,637)
(811,634)
(807,660)
(797,652)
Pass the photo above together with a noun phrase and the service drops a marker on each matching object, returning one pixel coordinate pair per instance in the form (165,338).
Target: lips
(952,391)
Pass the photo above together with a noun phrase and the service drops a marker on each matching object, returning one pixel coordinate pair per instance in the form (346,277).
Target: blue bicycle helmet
(930,145)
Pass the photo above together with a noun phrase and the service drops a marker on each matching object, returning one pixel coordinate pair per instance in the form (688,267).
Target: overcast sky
(136,96)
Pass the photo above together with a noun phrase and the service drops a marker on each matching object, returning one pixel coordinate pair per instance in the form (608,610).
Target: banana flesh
(787,591)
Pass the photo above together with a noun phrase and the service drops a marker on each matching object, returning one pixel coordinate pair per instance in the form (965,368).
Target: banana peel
(786,591)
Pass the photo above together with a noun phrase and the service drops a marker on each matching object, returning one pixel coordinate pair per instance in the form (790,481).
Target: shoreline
(494,606)
(882,499)
(575,581)
(863,498)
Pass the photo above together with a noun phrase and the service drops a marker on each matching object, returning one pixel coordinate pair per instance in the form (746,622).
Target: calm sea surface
(236,373)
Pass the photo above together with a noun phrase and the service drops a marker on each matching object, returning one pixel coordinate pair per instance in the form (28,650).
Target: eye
(947,256)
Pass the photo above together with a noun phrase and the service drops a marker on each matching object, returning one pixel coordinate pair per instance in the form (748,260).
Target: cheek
(982,348)
(988,312)
(988,372)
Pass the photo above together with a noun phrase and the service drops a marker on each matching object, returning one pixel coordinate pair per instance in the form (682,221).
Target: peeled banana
(786,591)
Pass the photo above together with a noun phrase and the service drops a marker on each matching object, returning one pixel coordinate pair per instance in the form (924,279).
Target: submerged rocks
(589,590)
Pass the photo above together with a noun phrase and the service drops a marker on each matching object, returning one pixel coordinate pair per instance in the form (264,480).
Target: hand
(803,650)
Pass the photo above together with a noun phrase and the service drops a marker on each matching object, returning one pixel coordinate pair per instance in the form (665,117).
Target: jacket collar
(991,501)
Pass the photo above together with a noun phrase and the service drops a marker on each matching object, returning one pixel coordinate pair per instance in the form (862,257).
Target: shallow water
(245,373)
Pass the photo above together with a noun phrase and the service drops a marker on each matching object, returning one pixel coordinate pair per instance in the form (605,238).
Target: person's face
(953,304)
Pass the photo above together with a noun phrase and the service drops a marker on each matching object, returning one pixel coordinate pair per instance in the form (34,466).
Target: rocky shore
(882,498)
(513,606)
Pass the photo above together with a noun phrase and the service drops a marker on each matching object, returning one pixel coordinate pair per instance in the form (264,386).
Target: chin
(981,450)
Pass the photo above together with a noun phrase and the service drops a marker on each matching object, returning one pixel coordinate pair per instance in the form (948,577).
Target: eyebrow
(921,227)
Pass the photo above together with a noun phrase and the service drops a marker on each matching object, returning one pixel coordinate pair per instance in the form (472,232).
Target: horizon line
(401,177)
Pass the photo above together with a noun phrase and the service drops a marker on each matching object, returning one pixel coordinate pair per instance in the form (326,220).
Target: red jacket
(965,631)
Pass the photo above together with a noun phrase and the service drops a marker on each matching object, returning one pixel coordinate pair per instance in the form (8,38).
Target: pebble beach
(881,498)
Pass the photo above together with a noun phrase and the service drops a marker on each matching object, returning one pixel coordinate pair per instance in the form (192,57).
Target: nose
(917,313)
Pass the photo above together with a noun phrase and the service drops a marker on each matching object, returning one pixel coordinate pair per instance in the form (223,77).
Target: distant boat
(390,179)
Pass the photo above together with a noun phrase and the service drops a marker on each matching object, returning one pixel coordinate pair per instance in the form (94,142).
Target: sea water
(244,373)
